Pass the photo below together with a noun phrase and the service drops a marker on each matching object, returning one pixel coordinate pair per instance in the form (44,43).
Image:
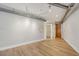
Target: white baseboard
(17,45)
(72,46)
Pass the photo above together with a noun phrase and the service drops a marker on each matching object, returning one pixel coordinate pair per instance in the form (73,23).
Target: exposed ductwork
(7,9)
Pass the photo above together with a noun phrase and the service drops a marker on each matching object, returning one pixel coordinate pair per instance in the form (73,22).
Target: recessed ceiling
(40,9)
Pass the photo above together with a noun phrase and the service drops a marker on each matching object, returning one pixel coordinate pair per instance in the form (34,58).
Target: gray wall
(70,30)
(16,29)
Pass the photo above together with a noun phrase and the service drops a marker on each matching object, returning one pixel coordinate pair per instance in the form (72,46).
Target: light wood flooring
(56,47)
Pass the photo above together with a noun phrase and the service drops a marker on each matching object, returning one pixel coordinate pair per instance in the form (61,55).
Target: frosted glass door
(49,31)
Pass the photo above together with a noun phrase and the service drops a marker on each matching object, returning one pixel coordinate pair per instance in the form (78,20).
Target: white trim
(54,31)
(51,31)
(17,45)
(72,46)
(45,31)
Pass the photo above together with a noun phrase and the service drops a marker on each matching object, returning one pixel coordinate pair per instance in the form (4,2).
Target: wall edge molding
(72,46)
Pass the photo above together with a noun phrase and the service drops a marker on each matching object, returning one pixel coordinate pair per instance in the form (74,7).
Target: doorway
(49,31)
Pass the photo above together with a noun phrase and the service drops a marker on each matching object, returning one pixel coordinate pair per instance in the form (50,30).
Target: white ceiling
(40,9)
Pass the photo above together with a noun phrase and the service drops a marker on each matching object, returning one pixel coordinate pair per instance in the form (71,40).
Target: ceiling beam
(7,9)
(66,13)
(61,5)
(58,5)
(63,19)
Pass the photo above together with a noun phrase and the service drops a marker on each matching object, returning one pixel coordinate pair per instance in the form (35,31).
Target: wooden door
(58,30)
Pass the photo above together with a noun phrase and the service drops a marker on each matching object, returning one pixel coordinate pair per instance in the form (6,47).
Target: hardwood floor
(56,47)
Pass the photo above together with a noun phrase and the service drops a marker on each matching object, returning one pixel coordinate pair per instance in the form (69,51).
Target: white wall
(70,30)
(16,29)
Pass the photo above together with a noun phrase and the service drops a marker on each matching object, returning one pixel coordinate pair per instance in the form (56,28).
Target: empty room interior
(39,29)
